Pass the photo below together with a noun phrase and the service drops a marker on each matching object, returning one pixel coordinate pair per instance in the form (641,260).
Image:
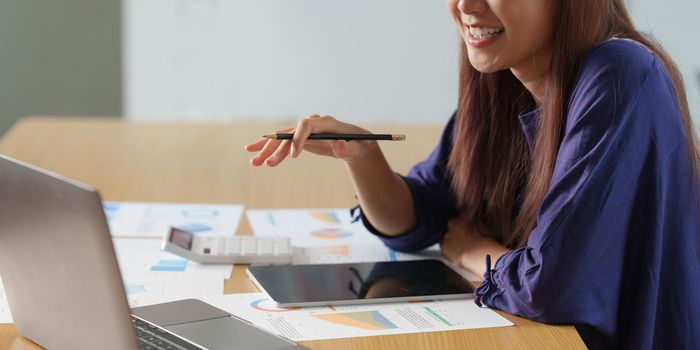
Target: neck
(533,74)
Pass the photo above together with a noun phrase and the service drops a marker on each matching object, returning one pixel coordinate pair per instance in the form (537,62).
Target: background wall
(357,60)
(221,59)
(59,57)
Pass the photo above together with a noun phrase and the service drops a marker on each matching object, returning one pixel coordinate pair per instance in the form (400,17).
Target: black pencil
(346,137)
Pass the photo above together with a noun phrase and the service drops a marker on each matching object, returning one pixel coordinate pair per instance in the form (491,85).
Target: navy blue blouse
(616,250)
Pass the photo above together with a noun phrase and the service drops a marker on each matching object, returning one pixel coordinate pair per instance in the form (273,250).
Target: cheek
(530,27)
(528,41)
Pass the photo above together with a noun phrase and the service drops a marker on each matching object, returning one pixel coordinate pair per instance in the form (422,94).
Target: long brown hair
(490,163)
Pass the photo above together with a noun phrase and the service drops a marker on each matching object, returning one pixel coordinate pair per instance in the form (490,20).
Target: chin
(485,67)
(484,64)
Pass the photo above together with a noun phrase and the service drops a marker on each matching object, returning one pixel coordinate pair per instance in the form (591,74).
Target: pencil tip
(270,136)
(398,137)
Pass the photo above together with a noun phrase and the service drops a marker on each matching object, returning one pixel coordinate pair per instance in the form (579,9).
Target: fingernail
(293,151)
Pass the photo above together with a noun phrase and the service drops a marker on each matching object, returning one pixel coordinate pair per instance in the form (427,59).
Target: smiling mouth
(481,33)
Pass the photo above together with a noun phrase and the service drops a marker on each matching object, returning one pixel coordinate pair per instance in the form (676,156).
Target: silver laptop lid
(58,264)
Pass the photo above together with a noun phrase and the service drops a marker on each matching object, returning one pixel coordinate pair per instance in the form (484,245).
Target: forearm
(385,198)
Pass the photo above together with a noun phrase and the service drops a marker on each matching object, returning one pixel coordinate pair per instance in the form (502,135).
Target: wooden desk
(205,162)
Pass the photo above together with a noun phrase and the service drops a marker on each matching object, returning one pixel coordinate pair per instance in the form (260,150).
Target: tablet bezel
(430,297)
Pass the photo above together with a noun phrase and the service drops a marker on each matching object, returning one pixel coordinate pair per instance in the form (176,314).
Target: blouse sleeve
(433,199)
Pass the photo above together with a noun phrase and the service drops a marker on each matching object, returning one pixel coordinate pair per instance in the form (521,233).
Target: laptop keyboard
(155,338)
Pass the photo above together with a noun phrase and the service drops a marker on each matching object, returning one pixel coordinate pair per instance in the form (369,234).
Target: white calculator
(210,249)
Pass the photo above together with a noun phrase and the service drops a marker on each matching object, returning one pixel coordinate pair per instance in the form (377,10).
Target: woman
(570,162)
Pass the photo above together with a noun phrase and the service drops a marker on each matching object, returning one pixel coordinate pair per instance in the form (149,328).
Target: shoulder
(623,88)
(620,51)
(615,76)
(619,63)
(624,55)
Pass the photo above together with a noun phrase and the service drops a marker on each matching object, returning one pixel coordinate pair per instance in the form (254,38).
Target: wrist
(370,153)
(474,257)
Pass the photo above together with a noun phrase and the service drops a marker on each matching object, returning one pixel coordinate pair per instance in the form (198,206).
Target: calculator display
(181,238)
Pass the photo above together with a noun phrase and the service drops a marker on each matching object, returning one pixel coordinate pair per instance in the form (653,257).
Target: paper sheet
(149,290)
(323,235)
(316,323)
(358,253)
(155,219)
(152,276)
(310,227)
(5,314)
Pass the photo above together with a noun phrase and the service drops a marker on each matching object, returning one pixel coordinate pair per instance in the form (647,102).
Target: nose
(468,7)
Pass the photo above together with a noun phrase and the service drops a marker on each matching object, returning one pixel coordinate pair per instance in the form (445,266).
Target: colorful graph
(342,250)
(195,228)
(202,213)
(135,289)
(326,217)
(267,306)
(331,233)
(438,316)
(271,218)
(372,320)
(170,266)
(110,210)
(110,207)
(392,255)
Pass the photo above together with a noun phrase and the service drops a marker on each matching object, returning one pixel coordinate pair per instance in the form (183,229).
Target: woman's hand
(466,246)
(272,152)
(385,197)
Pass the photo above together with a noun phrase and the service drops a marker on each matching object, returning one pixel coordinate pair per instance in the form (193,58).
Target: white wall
(357,60)
(672,22)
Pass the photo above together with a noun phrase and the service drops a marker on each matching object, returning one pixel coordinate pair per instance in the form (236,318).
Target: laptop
(63,283)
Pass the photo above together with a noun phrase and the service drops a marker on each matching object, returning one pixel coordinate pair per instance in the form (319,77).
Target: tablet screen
(306,285)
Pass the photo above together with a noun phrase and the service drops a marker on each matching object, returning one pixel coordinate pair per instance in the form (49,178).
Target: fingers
(255,146)
(280,154)
(339,148)
(267,150)
(301,132)
(259,144)
(266,147)
(272,152)
(305,127)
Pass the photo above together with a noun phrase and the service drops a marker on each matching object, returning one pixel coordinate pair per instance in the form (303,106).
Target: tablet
(360,283)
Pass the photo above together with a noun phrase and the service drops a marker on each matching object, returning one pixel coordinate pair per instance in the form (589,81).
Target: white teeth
(480,33)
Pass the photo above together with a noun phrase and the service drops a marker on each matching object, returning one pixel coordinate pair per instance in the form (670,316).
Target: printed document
(332,322)
(153,276)
(155,219)
(328,235)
